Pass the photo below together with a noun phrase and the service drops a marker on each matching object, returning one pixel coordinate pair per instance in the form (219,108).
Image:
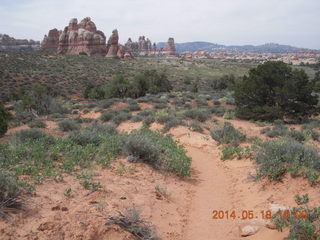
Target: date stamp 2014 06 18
(250,214)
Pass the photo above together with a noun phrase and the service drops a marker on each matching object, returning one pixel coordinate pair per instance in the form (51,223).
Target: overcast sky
(230,22)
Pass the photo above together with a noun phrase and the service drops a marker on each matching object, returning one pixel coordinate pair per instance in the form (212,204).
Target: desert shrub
(196,114)
(86,110)
(121,117)
(148,120)
(107,115)
(218,110)
(160,106)
(309,130)
(173,122)
(4,117)
(139,146)
(302,199)
(29,135)
(160,151)
(224,82)
(229,114)
(296,135)
(201,102)
(196,127)
(228,152)
(145,113)
(274,91)
(9,192)
(132,222)
(277,131)
(275,158)
(68,125)
(302,221)
(41,99)
(281,130)
(136,118)
(134,107)
(23,116)
(149,81)
(37,124)
(164,118)
(94,134)
(58,115)
(227,134)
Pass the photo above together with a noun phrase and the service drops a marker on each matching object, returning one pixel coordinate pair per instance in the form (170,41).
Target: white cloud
(238,22)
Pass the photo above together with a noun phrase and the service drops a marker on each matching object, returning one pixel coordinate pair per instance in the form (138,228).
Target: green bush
(279,130)
(227,134)
(196,127)
(174,122)
(302,221)
(160,151)
(37,124)
(107,115)
(275,158)
(121,117)
(68,125)
(9,192)
(134,107)
(30,134)
(274,91)
(196,114)
(136,118)
(228,152)
(94,134)
(224,82)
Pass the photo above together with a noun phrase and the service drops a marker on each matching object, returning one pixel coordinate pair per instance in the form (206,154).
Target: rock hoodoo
(82,38)
(114,49)
(169,49)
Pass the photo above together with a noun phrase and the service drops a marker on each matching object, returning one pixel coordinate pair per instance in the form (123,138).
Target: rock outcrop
(8,43)
(169,49)
(82,38)
(51,41)
(132,47)
(114,49)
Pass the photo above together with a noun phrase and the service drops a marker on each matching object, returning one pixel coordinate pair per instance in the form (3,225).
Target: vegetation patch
(275,158)
(160,151)
(227,134)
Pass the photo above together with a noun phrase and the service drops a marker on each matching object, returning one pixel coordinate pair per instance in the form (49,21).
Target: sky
(228,22)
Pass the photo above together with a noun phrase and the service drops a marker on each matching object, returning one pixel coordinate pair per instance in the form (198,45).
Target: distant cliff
(8,43)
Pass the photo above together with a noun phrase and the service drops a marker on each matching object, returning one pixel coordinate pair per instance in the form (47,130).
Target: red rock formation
(114,49)
(77,39)
(11,44)
(82,38)
(169,49)
(51,42)
(132,47)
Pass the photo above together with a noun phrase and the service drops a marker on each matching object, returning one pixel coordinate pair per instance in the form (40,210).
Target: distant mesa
(8,43)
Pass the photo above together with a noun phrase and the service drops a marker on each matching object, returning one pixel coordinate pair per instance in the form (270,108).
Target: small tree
(274,91)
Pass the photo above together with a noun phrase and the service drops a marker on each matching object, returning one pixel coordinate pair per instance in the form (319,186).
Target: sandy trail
(211,192)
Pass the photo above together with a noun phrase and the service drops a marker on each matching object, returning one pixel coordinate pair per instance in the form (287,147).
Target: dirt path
(212,191)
